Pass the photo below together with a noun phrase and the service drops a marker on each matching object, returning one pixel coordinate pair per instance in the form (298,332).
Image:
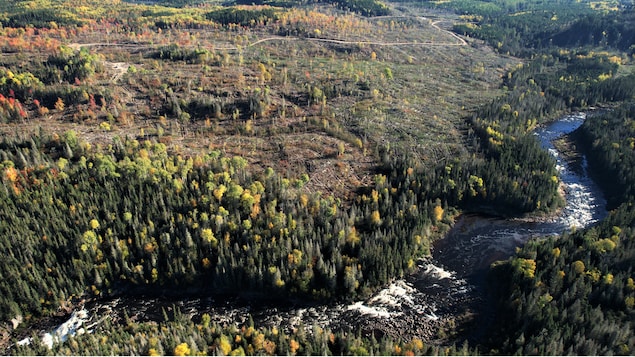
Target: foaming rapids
(447,285)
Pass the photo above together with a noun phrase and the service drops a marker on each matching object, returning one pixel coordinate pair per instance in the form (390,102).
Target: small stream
(447,285)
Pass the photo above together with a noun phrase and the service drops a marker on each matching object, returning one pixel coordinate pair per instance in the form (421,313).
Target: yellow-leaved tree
(438,213)
(182,350)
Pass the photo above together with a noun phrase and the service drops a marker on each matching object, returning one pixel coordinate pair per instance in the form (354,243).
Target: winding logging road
(459,41)
(120,68)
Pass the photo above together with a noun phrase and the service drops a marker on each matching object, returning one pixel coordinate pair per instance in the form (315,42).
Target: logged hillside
(161,150)
(302,151)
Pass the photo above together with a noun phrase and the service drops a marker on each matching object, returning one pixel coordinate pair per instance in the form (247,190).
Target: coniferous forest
(307,152)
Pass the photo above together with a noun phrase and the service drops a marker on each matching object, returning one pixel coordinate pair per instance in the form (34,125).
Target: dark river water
(476,241)
(448,285)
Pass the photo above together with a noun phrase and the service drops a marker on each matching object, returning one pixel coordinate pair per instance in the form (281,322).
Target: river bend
(448,285)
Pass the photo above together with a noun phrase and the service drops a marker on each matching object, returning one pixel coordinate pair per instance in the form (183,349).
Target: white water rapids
(417,306)
(585,202)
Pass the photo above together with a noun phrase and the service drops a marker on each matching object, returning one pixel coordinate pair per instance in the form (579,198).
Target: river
(447,289)
(476,241)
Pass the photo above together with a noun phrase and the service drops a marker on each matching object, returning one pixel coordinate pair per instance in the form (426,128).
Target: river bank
(447,292)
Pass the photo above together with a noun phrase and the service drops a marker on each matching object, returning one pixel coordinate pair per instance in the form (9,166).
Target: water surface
(477,241)
(447,285)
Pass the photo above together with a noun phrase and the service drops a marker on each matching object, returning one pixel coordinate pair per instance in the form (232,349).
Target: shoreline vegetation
(318,170)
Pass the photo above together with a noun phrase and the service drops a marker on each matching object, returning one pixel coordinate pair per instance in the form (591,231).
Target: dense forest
(208,224)
(613,30)
(575,294)
(522,27)
(157,150)
(607,141)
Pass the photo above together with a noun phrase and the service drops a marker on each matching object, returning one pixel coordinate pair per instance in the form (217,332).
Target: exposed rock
(16,321)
